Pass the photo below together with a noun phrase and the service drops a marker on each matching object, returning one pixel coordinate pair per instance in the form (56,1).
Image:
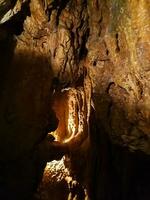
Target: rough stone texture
(110,38)
(62,38)
(118,61)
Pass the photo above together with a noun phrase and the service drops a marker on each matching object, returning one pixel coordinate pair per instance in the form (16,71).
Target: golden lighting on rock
(56,170)
(72,107)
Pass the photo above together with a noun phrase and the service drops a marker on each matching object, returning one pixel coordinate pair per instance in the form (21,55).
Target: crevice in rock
(117,43)
(83,50)
(94,63)
(62,5)
(50,7)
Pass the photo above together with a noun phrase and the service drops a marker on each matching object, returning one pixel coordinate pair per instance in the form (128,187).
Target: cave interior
(74,100)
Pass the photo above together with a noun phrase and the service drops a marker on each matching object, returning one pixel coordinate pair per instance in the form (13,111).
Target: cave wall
(59,39)
(119,66)
(110,39)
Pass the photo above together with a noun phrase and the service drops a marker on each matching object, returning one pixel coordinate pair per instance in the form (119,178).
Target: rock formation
(96,51)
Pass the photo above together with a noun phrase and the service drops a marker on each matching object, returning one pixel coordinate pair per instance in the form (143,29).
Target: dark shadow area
(83,50)
(116,173)
(26,118)
(7,45)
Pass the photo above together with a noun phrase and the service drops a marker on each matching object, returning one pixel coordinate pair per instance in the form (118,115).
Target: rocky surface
(110,39)
(58,183)
(118,44)
(49,51)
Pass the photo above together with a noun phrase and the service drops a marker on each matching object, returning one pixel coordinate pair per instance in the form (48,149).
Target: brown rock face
(110,39)
(117,72)
(57,45)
